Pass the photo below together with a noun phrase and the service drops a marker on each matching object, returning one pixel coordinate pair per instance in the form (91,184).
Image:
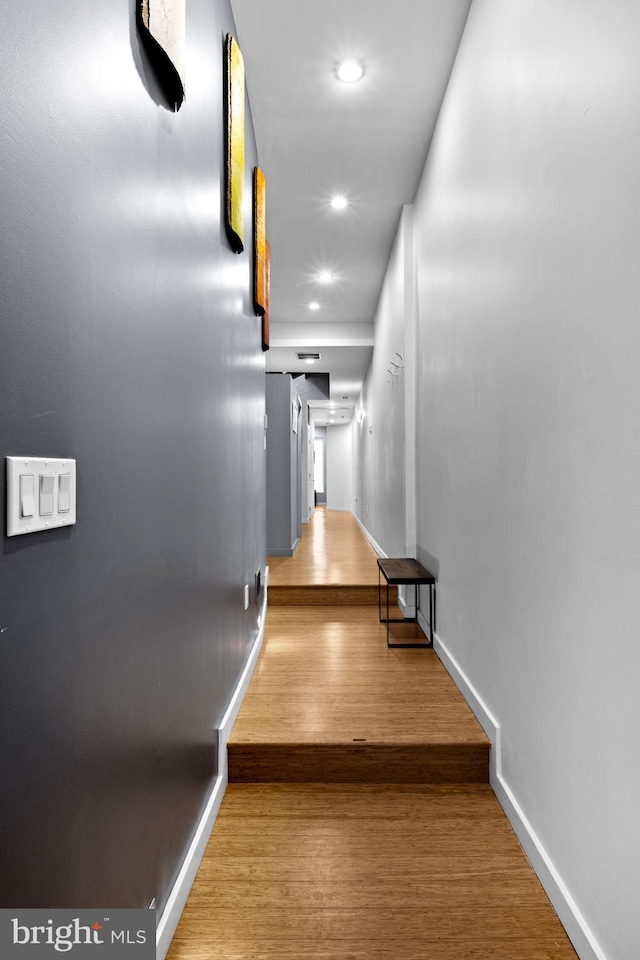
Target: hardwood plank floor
(309,949)
(343,872)
(330,702)
(349,870)
(331,551)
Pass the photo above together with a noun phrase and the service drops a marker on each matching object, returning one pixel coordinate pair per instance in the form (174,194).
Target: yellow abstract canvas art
(234,130)
(163,31)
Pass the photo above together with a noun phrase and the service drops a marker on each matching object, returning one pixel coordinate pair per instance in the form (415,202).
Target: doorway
(320,467)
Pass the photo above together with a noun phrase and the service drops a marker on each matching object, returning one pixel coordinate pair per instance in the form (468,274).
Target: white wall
(380,438)
(528,245)
(339,452)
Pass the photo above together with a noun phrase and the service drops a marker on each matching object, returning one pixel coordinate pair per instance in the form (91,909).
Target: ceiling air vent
(308,356)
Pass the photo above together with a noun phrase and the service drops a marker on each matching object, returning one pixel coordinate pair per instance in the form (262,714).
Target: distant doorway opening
(319,470)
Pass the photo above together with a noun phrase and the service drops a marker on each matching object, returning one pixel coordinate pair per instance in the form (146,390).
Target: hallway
(358,822)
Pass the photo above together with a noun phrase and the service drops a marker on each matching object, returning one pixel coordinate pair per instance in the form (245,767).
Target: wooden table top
(404,570)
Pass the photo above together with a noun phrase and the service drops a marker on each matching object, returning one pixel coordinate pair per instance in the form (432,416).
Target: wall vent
(308,356)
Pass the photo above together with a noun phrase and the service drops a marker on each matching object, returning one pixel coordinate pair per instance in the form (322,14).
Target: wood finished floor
(332,552)
(330,702)
(366,872)
(358,870)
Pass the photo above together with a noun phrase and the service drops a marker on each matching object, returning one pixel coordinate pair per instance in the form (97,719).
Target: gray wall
(282,466)
(128,342)
(309,387)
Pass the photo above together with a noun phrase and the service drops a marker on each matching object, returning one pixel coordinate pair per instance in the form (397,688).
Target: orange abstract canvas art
(261,255)
(265,315)
(234,135)
(162,25)
(259,242)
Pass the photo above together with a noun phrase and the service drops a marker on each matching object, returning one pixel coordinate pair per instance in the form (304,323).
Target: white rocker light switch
(64,493)
(26,494)
(46,494)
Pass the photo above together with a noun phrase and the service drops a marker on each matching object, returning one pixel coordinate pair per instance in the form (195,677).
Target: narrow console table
(406,572)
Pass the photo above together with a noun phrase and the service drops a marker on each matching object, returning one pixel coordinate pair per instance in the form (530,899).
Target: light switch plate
(40,467)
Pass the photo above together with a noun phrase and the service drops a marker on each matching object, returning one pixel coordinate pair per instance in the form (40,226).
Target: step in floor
(330,702)
(326,595)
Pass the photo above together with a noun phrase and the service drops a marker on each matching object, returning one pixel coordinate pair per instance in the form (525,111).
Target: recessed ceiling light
(350,71)
(339,202)
(325,277)
(314,305)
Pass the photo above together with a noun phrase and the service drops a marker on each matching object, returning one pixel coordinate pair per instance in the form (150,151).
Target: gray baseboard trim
(282,551)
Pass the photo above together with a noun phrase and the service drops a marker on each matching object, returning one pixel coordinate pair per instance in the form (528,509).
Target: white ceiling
(317,137)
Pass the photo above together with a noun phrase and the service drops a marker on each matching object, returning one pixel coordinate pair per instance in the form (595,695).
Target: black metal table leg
(388,622)
(431,612)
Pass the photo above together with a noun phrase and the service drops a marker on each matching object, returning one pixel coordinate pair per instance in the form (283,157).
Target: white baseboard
(182,887)
(483,715)
(579,933)
(407,610)
(376,546)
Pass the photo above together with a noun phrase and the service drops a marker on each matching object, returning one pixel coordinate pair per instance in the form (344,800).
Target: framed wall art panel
(259,242)
(267,296)
(234,136)
(162,27)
